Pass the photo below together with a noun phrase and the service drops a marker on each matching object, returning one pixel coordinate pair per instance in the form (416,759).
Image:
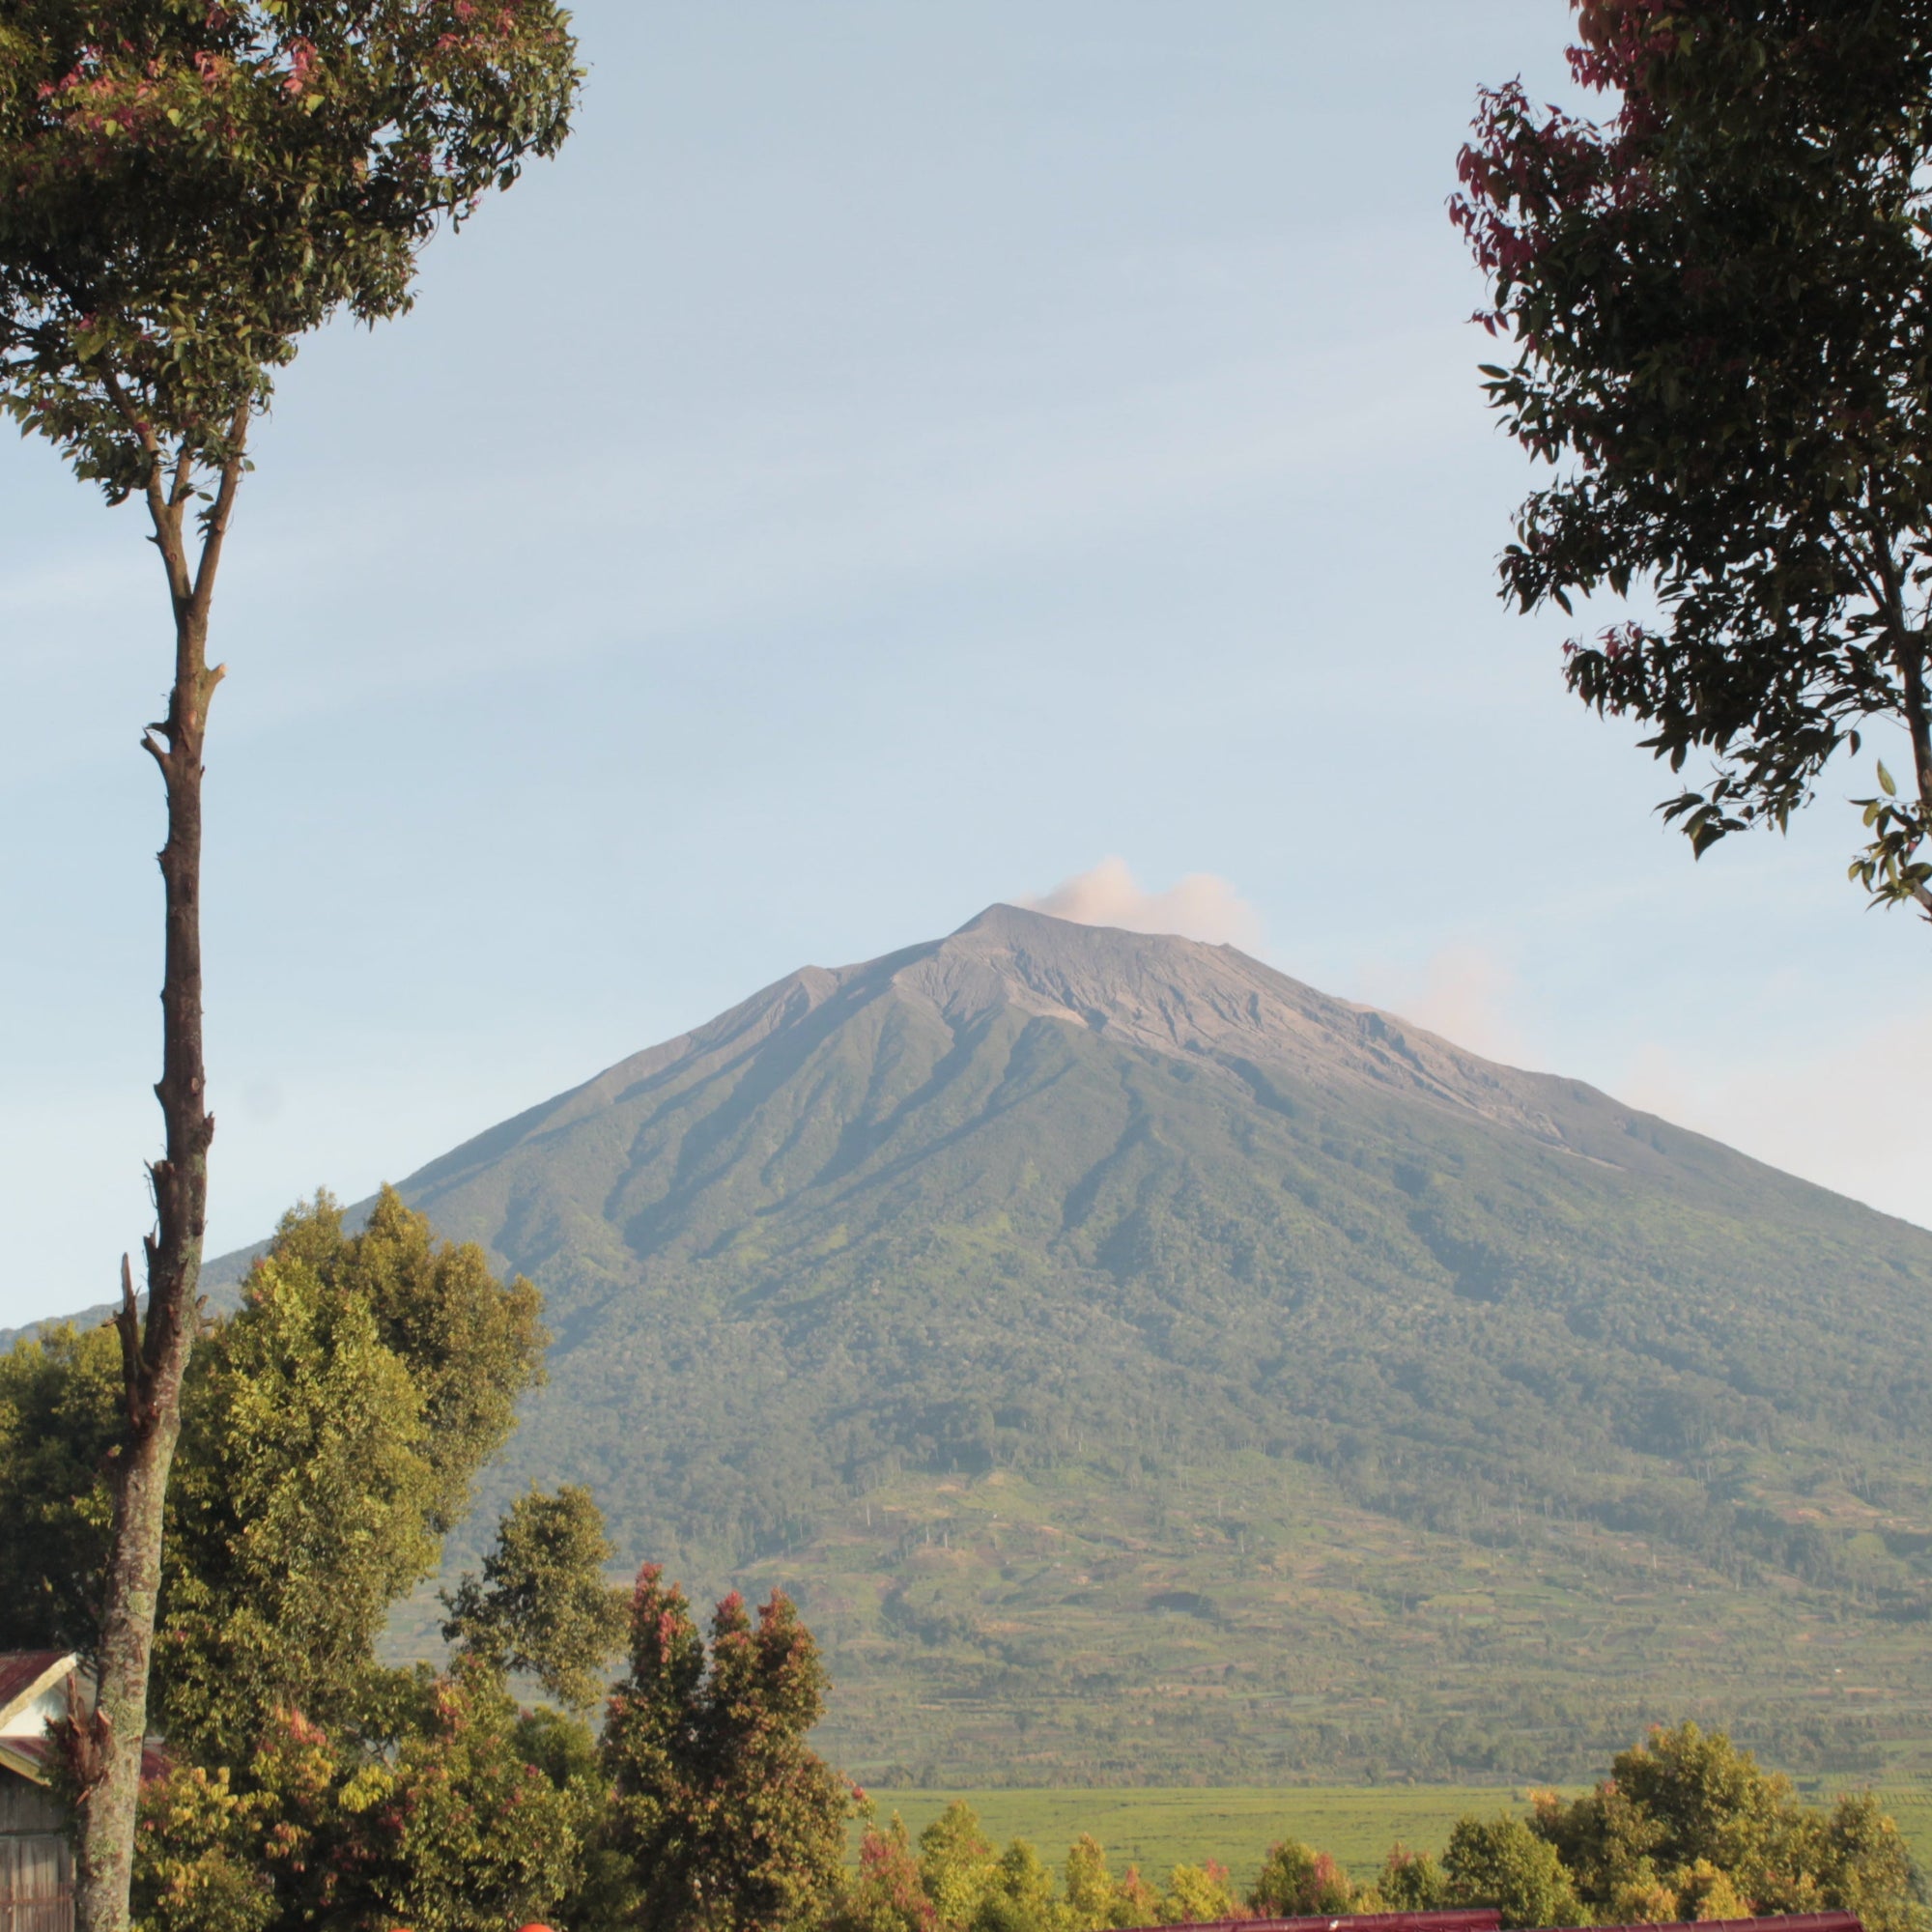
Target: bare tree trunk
(105,1743)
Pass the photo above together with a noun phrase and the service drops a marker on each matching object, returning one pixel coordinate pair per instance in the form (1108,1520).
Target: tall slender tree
(186,188)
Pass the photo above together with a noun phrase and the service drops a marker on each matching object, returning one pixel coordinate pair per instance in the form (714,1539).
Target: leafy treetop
(728,1817)
(187,187)
(1688,1827)
(1723,318)
(542,1606)
(332,1428)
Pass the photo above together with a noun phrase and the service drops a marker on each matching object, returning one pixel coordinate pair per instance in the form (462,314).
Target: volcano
(1141,1367)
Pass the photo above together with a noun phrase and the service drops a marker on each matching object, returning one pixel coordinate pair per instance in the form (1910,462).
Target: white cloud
(1199,906)
(1849,1115)
(1852,1117)
(1464,993)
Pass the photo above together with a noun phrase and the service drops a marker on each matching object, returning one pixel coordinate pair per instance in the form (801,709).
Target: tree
(1721,306)
(60,1419)
(1022,1896)
(1696,1799)
(322,1448)
(327,1442)
(298,1516)
(1411,1882)
(1856,1859)
(453,1829)
(187,190)
(330,1440)
(887,1896)
(1196,1894)
(1690,1827)
(724,1814)
(445,1822)
(957,1872)
(1093,1901)
(956,1864)
(542,1606)
(1296,1881)
(1500,1861)
(1137,1903)
(566,1751)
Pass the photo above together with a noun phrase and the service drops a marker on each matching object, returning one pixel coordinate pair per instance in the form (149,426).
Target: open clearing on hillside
(1158,1829)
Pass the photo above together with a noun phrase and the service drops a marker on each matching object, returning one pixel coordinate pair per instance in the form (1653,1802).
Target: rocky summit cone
(1141,1367)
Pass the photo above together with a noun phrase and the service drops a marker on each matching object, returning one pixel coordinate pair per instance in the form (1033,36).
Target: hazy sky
(901,457)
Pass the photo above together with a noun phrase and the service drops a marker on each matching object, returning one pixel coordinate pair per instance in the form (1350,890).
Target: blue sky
(899,457)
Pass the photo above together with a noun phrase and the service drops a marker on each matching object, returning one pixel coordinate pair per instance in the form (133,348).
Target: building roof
(1790,1922)
(1485,1920)
(1471,1920)
(1475,1919)
(26,1676)
(25,1673)
(28,1758)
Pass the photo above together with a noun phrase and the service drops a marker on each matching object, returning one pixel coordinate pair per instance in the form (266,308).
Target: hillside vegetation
(1142,1367)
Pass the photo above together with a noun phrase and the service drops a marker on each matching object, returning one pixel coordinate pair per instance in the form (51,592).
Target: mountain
(1143,1367)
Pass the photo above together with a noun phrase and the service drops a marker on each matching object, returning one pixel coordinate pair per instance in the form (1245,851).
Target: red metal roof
(18,1668)
(26,1756)
(1475,1919)
(1791,1921)
(29,1756)
(1485,1920)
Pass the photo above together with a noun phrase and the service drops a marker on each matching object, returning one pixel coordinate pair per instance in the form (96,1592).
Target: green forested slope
(1143,1367)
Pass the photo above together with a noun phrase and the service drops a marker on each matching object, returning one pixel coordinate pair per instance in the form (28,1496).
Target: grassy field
(1157,1829)
(1160,1829)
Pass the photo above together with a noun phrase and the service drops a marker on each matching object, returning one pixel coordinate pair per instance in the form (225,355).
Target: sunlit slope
(1140,1364)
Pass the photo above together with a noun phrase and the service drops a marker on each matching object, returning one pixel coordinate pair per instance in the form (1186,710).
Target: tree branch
(1850,559)
(161,507)
(215,529)
(182,486)
(134,1372)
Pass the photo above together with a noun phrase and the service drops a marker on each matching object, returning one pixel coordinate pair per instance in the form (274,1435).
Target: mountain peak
(1215,1004)
(1224,1012)
(1002,924)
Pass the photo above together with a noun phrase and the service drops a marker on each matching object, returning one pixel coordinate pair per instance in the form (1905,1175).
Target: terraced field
(1912,1805)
